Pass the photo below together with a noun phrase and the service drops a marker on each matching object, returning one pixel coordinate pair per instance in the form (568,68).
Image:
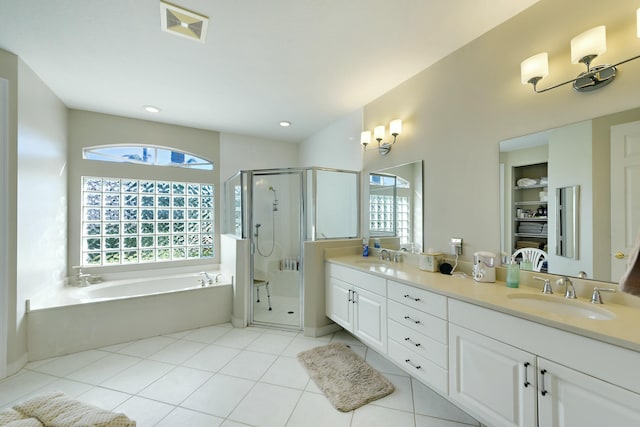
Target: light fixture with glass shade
(585,47)
(395,129)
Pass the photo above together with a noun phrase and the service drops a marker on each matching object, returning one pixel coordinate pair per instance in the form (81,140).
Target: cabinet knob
(619,255)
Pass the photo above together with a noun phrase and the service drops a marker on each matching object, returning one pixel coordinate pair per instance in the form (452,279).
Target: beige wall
(456,112)
(88,129)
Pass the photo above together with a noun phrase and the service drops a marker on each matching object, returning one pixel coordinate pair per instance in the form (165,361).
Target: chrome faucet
(546,288)
(569,290)
(596,298)
(385,255)
(207,279)
(81,279)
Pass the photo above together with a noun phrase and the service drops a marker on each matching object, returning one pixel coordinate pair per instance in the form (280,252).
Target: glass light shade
(591,42)
(534,66)
(395,127)
(365,137)
(378,132)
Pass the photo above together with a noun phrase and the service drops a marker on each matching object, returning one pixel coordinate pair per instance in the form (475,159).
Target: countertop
(621,331)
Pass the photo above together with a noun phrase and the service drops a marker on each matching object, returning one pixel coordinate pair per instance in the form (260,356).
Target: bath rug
(344,377)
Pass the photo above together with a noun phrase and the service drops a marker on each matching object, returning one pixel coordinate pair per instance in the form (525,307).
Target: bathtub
(124,309)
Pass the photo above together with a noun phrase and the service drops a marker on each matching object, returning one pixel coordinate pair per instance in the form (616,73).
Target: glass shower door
(276,242)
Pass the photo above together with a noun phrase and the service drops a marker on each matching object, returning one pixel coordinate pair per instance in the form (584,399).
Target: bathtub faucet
(207,279)
(82,279)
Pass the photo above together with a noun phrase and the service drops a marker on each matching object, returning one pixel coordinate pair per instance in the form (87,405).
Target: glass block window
(389,210)
(146,155)
(130,221)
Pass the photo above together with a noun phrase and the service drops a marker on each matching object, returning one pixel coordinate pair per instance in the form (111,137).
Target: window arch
(146,155)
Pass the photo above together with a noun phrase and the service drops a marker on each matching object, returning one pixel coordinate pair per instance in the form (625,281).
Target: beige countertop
(622,330)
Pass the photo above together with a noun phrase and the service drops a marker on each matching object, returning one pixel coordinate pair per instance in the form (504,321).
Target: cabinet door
(568,398)
(370,319)
(493,381)
(340,303)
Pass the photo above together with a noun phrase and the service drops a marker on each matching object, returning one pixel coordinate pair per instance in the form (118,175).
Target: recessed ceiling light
(285,124)
(151,109)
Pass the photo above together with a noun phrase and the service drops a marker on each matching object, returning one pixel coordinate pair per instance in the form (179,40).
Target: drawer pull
(410,363)
(410,297)
(542,390)
(414,321)
(417,344)
(526,373)
(349,300)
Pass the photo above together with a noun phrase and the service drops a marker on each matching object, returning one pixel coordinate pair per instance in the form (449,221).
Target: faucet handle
(546,288)
(596,298)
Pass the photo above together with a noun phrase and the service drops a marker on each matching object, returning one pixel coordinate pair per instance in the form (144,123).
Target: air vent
(183,22)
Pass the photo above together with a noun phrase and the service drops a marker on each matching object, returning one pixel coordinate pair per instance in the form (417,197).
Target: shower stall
(277,210)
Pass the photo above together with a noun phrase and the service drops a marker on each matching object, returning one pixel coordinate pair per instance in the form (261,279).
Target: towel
(13,418)
(57,410)
(630,281)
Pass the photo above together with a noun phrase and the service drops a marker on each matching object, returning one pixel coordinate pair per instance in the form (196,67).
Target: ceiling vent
(183,22)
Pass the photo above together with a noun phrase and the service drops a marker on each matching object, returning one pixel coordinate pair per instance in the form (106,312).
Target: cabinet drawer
(419,321)
(366,281)
(419,367)
(418,298)
(418,343)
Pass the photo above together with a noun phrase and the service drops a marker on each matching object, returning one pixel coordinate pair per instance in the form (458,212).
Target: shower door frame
(247,221)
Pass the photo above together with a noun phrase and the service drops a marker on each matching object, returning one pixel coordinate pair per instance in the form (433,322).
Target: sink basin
(562,306)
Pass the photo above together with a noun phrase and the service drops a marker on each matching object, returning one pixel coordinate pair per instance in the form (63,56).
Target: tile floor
(221,376)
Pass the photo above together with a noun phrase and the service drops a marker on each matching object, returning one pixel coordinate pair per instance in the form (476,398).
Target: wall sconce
(585,48)
(395,129)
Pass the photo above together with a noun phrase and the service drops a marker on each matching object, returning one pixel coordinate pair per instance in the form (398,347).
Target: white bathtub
(116,311)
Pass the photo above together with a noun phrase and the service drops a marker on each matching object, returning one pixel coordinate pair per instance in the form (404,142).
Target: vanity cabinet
(418,338)
(357,301)
(515,385)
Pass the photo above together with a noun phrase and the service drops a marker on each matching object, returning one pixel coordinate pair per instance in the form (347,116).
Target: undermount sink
(562,306)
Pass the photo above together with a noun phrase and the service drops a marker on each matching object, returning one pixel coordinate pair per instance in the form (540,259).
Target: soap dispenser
(513,274)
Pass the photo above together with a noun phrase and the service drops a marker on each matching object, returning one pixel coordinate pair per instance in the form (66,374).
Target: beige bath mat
(344,377)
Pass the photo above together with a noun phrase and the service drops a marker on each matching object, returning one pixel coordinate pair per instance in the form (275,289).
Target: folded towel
(630,281)
(526,182)
(57,410)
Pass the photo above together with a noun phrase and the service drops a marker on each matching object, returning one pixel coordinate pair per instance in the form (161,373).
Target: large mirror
(601,157)
(395,204)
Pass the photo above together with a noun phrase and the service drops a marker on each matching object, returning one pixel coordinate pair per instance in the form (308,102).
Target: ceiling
(306,61)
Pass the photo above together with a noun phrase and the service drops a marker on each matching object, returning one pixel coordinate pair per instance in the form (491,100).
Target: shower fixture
(275,199)
(273,228)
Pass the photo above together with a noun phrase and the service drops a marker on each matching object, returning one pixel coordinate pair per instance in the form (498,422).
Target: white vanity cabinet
(357,301)
(418,333)
(494,381)
(518,385)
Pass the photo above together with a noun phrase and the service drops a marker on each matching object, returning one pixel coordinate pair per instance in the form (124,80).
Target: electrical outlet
(456,246)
